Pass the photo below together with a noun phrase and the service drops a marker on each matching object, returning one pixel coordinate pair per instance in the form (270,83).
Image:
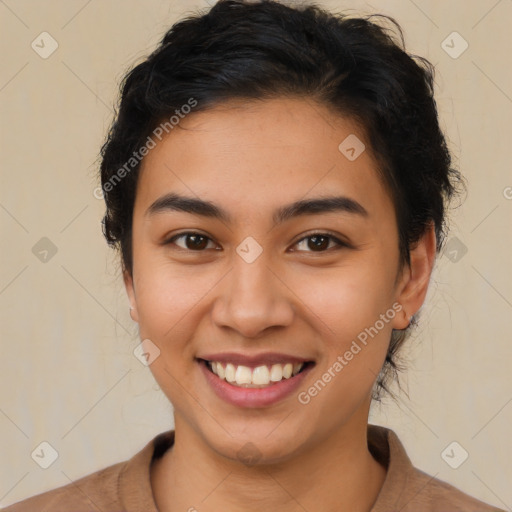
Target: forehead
(259,154)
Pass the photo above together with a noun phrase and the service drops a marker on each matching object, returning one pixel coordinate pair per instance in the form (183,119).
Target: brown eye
(193,241)
(320,242)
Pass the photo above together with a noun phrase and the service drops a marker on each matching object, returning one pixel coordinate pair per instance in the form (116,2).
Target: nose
(252,298)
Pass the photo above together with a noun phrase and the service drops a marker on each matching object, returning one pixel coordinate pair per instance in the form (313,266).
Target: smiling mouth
(258,377)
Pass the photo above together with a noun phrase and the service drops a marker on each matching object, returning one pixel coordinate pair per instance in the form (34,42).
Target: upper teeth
(260,376)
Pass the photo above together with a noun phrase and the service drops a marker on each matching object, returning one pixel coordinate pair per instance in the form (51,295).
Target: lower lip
(253,397)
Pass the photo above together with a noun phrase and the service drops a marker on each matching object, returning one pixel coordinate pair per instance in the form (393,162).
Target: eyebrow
(176,202)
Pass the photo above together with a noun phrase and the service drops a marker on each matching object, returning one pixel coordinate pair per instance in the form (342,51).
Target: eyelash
(325,234)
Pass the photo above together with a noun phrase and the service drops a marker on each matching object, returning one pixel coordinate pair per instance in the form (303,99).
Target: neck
(339,474)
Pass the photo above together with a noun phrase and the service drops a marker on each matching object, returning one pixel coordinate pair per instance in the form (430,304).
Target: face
(249,281)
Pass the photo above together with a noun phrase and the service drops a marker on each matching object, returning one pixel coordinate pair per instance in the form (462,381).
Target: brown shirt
(126,486)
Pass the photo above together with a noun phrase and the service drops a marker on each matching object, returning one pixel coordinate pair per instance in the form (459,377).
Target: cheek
(353,311)
(346,299)
(353,315)
(165,297)
(170,304)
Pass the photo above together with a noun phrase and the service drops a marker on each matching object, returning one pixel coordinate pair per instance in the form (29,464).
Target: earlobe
(413,286)
(130,291)
(404,320)
(133,314)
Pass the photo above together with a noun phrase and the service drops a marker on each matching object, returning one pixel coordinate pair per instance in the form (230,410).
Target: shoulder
(125,486)
(409,489)
(427,493)
(97,491)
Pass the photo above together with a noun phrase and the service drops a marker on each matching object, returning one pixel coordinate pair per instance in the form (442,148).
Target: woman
(276,182)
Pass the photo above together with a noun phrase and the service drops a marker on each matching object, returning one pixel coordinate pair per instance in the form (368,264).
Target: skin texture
(251,158)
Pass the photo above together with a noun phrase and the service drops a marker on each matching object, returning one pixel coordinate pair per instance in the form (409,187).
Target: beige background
(68,373)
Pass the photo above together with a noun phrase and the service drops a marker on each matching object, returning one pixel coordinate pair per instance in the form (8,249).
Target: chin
(259,446)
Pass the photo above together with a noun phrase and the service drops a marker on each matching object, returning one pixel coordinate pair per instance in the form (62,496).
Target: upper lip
(253,361)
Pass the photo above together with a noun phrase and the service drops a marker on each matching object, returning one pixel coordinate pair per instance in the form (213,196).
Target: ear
(130,291)
(413,284)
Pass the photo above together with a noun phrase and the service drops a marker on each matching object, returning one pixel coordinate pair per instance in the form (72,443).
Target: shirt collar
(387,449)
(134,486)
